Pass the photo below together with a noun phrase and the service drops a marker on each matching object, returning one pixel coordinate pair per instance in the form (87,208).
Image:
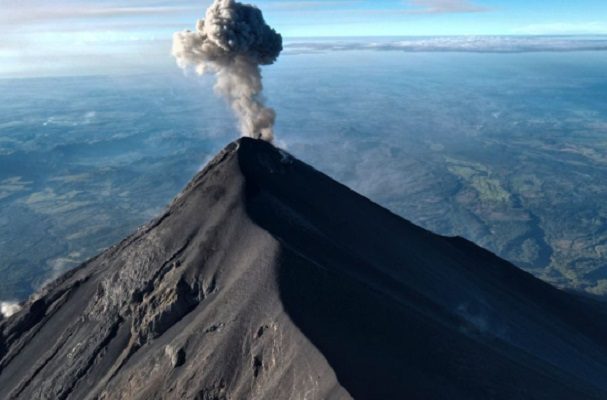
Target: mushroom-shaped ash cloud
(232,42)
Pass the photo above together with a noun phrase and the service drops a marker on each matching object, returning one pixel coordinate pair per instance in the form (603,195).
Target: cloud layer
(470,44)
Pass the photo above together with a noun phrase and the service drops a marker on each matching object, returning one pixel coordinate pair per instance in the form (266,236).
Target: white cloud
(16,15)
(444,7)
(9,308)
(471,44)
(282,5)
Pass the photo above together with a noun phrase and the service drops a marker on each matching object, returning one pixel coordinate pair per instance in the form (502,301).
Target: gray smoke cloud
(9,308)
(232,42)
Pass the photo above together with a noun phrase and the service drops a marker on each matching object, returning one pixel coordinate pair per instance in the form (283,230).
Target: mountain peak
(266,279)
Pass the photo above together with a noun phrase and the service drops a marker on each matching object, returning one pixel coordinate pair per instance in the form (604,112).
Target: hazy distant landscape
(507,150)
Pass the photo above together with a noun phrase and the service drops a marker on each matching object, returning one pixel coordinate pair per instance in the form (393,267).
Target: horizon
(71,35)
(164,63)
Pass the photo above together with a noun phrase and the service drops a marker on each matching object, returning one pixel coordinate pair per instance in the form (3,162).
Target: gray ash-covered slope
(265,279)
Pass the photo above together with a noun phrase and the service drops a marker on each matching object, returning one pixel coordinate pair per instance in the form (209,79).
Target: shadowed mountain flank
(266,279)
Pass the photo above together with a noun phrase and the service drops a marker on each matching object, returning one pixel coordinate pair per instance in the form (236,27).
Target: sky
(41,37)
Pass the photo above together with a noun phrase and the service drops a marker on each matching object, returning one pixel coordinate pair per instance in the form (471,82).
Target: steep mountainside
(265,279)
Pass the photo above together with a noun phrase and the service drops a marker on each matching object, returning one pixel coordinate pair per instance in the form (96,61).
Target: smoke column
(232,42)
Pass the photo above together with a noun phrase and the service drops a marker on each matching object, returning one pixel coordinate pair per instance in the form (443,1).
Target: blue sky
(438,17)
(39,35)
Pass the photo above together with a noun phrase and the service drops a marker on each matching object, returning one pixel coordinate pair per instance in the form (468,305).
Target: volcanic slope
(266,279)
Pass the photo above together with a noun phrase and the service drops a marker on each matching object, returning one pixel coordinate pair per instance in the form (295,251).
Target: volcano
(265,279)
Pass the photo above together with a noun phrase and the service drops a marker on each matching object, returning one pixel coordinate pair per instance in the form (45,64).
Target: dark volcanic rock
(268,280)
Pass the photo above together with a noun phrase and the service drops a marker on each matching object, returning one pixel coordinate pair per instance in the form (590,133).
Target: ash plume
(232,42)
